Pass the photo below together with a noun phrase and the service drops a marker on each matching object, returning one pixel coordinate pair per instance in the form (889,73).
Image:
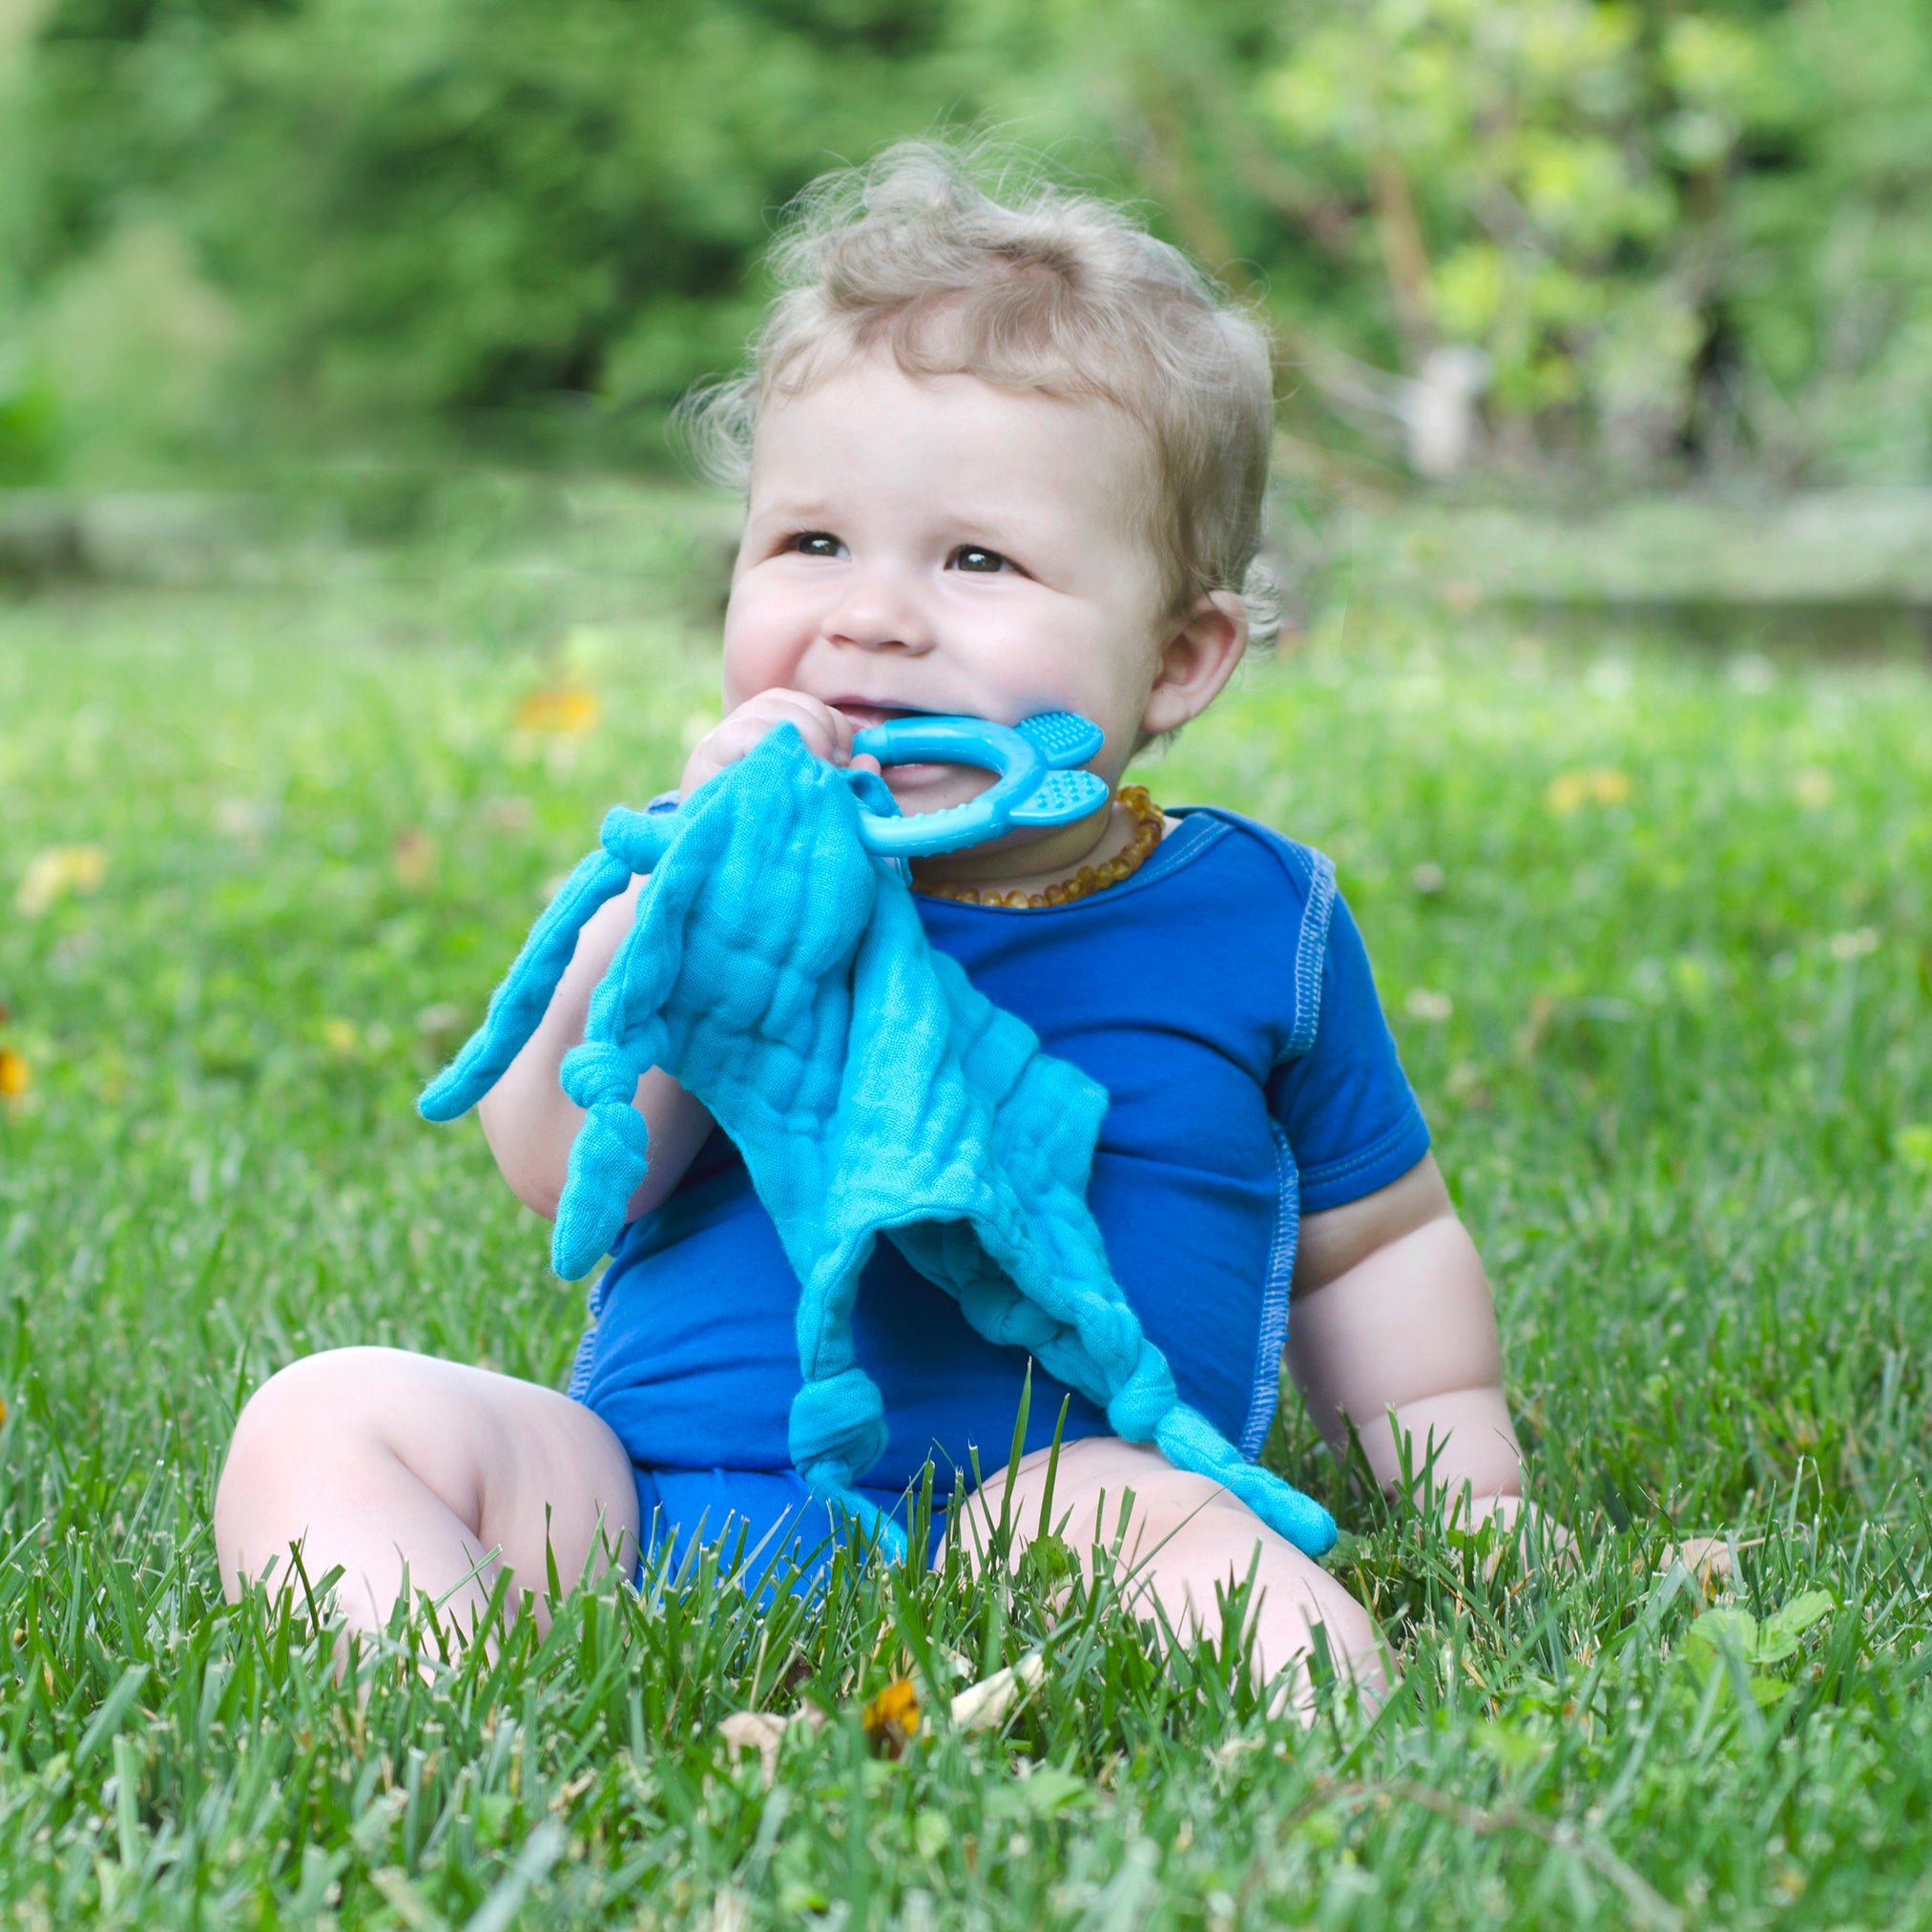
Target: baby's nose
(877,613)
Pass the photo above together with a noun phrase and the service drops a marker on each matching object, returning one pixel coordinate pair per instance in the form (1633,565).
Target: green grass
(1673,1025)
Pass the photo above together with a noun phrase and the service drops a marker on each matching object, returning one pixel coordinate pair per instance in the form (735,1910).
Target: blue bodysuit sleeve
(1350,1115)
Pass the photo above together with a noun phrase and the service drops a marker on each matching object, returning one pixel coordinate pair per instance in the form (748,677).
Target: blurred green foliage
(1653,237)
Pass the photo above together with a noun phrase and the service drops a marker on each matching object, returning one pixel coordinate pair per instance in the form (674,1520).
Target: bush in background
(1631,239)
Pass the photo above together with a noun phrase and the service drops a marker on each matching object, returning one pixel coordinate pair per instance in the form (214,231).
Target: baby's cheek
(752,664)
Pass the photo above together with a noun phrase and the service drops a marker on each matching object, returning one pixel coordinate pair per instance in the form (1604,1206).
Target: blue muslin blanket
(780,973)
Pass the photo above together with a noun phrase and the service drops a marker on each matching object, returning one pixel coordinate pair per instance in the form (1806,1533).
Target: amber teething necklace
(1090,879)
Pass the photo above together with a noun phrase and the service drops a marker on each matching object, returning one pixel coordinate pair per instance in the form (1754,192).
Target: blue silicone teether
(1036,783)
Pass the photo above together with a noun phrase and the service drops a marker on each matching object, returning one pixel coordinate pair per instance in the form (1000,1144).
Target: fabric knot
(1114,1338)
(838,1419)
(612,1150)
(1139,1405)
(597,1073)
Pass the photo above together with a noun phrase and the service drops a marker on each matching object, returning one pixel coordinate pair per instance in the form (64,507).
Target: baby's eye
(817,542)
(973,557)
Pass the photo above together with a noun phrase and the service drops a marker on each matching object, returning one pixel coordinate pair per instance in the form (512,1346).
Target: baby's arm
(1392,1312)
(529,1121)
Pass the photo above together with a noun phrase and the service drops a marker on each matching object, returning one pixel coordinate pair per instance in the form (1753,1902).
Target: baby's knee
(308,1392)
(1320,1603)
(1105,1492)
(1294,1609)
(303,1412)
(1159,1504)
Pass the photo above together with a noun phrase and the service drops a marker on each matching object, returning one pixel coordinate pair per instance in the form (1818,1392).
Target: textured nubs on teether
(1061,797)
(1063,738)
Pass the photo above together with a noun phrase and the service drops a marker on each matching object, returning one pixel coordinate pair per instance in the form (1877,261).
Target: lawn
(1654,931)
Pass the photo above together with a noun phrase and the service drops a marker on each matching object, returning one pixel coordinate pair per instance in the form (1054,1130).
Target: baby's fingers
(826,732)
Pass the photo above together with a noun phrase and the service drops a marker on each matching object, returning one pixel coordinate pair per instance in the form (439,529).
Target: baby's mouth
(916,778)
(865,716)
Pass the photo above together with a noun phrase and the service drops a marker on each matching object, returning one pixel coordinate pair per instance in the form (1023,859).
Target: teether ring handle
(1033,786)
(948,742)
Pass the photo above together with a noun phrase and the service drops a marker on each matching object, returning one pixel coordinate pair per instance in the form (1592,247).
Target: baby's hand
(828,735)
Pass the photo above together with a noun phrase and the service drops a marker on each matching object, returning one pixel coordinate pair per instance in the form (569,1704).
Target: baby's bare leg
(1185,1537)
(375,1458)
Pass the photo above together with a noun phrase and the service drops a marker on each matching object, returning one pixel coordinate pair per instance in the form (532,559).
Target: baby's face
(939,545)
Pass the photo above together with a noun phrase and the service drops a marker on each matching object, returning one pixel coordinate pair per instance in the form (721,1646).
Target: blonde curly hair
(1029,288)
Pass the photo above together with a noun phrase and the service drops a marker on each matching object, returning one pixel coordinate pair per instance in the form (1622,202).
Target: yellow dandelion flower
(891,1719)
(17,1076)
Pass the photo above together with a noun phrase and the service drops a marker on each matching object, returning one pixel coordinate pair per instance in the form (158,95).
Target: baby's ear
(1195,661)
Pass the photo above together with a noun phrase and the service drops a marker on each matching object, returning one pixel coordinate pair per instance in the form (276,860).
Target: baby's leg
(1185,1537)
(375,1458)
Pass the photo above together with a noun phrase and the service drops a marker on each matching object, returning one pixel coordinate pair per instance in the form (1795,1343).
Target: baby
(999,458)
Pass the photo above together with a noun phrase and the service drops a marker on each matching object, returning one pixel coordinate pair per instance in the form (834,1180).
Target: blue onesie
(1222,997)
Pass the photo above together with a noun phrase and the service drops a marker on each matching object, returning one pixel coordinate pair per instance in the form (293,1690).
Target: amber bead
(1090,879)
